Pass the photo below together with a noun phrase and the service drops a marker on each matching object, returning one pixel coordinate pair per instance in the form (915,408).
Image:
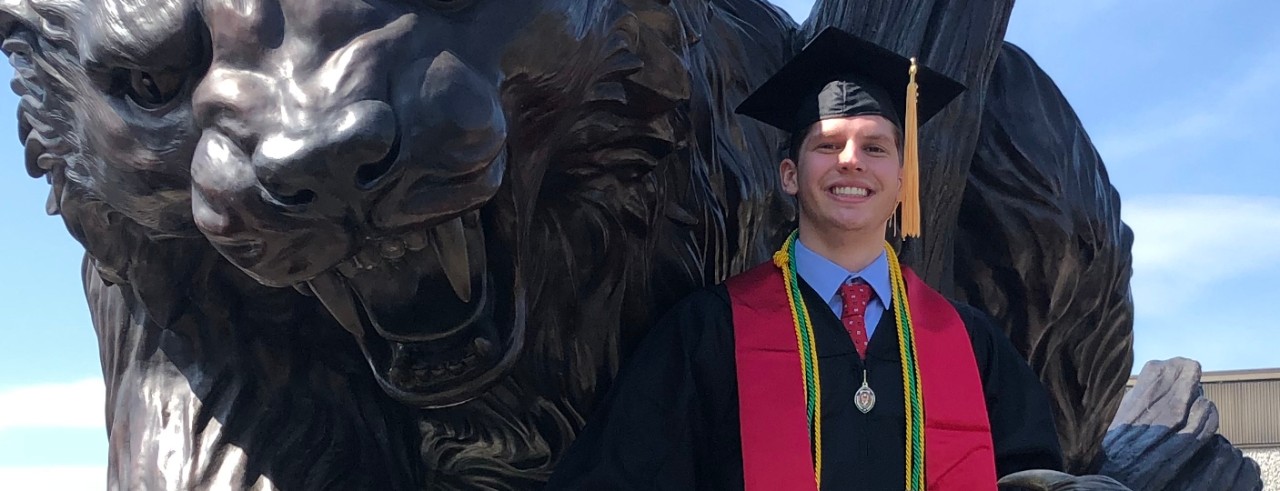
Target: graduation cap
(839,75)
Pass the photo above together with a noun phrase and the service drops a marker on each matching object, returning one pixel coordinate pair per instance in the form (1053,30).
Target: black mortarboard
(839,75)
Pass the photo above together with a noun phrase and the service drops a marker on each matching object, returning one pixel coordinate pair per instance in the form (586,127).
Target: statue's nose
(343,154)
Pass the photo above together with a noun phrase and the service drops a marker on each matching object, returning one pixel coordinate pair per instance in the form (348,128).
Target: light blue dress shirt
(826,277)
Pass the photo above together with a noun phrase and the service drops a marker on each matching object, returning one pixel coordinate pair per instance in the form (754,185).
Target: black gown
(671,419)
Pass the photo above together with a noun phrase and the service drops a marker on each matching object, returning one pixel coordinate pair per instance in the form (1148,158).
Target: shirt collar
(826,277)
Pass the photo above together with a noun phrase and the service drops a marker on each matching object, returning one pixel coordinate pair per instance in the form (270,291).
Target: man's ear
(789,173)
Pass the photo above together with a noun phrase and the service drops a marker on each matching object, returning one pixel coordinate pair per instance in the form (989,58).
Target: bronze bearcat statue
(402,245)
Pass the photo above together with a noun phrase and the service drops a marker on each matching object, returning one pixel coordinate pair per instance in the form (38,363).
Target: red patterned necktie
(856,295)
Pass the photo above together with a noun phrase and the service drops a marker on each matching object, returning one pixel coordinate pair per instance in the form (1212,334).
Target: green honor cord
(809,363)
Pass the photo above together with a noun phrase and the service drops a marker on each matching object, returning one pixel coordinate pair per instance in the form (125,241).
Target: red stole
(775,437)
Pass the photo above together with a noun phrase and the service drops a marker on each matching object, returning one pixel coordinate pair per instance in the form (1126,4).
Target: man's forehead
(134,27)
(869,126)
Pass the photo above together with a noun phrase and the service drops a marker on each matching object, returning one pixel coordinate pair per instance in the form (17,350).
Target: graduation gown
(671,419)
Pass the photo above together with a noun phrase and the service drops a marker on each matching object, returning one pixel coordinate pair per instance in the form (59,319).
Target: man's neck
(851,250)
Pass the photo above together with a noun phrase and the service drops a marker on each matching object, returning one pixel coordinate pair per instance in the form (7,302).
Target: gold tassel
(910,197)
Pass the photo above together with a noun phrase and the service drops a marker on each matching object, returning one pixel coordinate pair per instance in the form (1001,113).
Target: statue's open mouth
(437,323)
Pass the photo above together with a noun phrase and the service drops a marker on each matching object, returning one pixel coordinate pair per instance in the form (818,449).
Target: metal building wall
(1248,409)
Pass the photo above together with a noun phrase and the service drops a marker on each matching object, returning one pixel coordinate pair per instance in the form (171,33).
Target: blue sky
(1178,97)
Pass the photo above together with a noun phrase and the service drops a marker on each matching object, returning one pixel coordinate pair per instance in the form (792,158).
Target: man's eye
(875,149)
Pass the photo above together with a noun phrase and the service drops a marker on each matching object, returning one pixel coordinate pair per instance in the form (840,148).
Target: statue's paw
(1048,480)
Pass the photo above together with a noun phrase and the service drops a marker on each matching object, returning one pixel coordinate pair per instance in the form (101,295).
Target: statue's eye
(148,90)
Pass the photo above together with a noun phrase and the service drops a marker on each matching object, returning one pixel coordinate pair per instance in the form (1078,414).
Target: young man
(831,366)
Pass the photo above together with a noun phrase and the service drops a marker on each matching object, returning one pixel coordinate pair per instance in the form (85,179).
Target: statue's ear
(14,12)
(20,26)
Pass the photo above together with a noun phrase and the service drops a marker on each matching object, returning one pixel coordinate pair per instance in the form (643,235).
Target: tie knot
(856,294)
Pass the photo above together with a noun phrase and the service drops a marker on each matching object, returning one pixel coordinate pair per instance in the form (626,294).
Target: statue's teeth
(349,268)
(481,347)
(415,240)
(451,247)
(304,288)
(333,292)
(367,258)
(391,248)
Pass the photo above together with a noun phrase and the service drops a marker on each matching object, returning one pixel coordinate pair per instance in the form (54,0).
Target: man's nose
(849,157)
(343,154)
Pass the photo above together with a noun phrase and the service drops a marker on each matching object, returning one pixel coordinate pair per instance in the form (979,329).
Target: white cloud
(54,478)
(63,405)
(1187,244)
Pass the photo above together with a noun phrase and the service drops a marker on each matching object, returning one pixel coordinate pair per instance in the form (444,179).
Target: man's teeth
(849,191)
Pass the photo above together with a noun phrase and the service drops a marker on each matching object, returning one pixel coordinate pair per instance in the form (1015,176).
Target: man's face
(848,175)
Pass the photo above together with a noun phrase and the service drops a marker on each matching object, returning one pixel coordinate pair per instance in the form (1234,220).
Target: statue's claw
(1050,480)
